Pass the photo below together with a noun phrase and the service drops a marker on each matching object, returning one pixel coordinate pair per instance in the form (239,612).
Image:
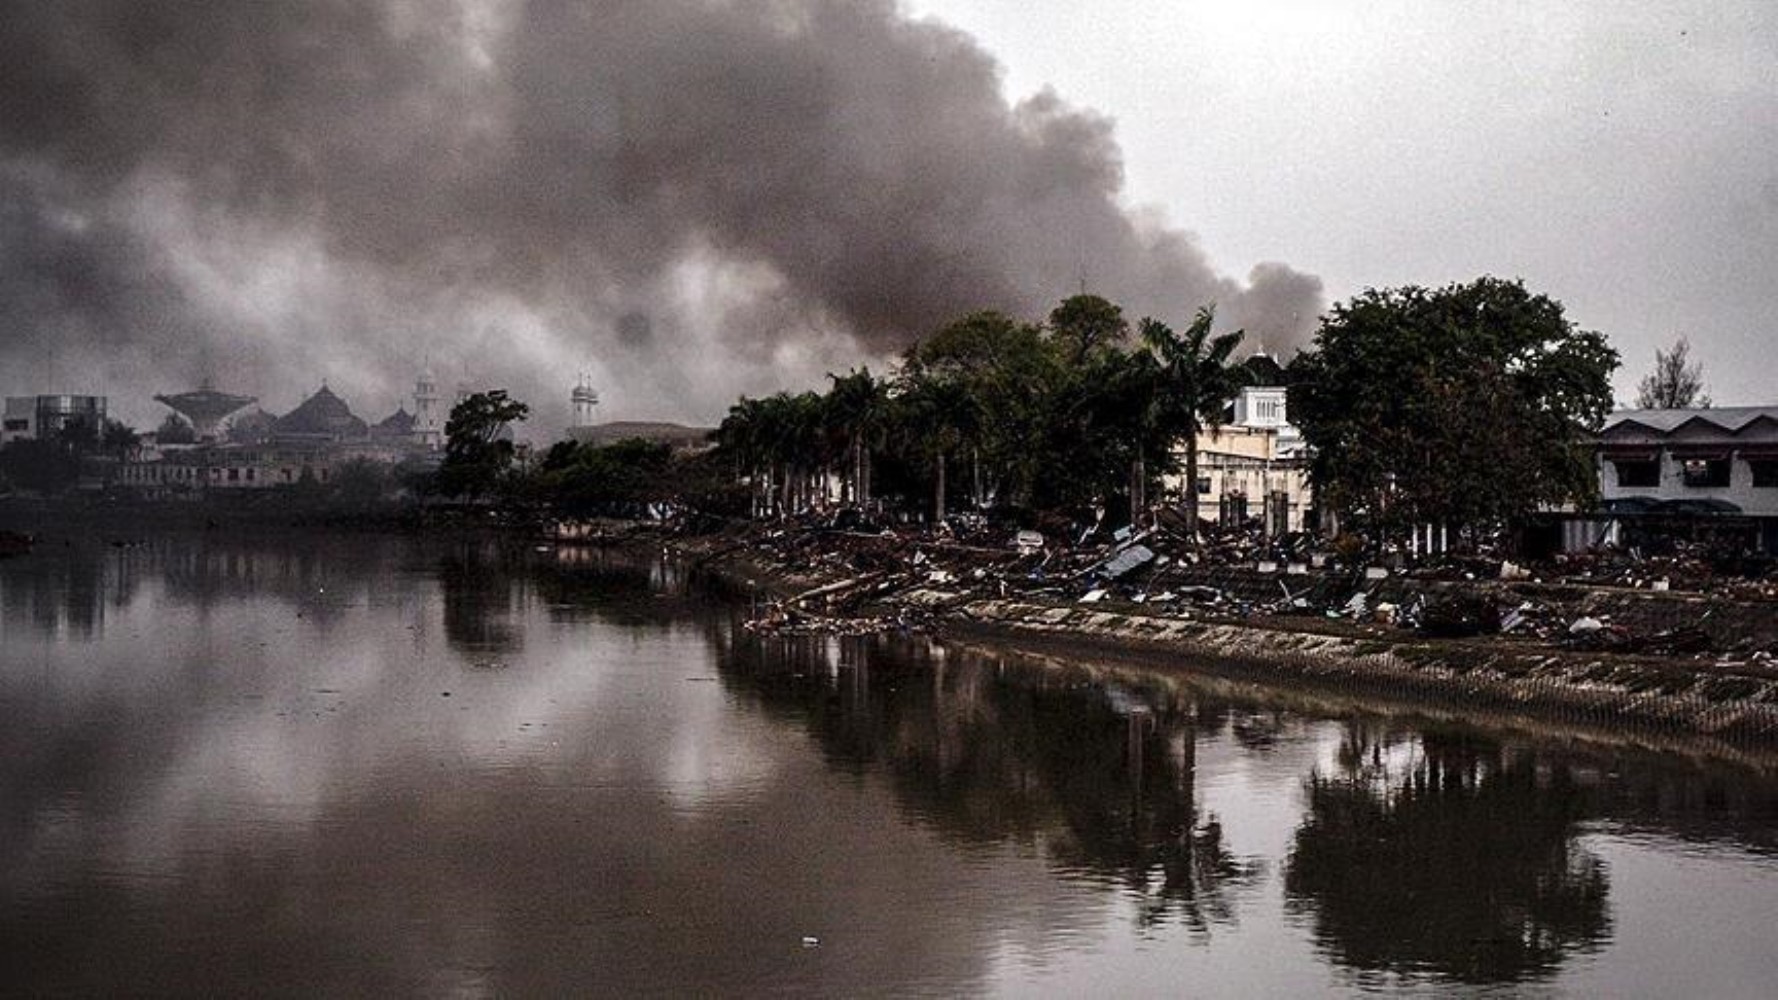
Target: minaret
(584,400)
(428,428)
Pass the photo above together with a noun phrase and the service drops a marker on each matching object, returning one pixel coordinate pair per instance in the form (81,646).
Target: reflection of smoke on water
(314,811)
(230,791)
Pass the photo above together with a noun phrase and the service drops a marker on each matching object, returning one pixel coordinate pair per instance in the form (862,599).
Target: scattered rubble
(849,574)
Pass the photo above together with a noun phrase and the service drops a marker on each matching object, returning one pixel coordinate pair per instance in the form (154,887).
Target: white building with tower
(1253,468)
(585,400)
(678,437)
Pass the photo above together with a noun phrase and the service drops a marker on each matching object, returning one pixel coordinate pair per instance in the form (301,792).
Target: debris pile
(849,574)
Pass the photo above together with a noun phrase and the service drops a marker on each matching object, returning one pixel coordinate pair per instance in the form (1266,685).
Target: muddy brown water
(356,765)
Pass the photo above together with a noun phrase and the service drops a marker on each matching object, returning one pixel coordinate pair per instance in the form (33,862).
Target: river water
(360,765)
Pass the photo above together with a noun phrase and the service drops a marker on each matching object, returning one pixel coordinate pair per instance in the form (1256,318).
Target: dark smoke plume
(690,198)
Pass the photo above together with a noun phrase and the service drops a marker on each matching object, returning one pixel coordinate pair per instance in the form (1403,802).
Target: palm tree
(1140,386)
(936,417)
(856,408)
(1197,385)
(791,429)
(741,436)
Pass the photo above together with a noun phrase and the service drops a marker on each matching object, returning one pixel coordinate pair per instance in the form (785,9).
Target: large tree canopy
(1470,405)
(477,454)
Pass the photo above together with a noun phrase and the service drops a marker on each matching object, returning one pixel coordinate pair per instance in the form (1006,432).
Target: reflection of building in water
(68,596)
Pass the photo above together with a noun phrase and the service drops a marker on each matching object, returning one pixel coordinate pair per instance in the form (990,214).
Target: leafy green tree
(779,442)
(1468,861)
(174,430)
(1057,418)
(1197,383)
(42,466)
(118,438)
(79,434)
(1470,405)
(1098,426)
(590,480)
(1084,324)
(361,482)
(1009,374)
(857,409)
(478,451)
(1677,382)
(936,418)
(740,439)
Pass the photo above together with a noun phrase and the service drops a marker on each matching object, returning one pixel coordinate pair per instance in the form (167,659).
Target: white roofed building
(1700,474)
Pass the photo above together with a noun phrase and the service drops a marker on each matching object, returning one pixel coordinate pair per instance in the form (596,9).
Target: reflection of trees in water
(478,580)
(1102,776)
(320,574)
(486,583)
(67,591)
(614,586)
(1683,799)
(1446,856)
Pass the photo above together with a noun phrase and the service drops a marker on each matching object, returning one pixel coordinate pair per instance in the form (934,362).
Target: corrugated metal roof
(1731,419)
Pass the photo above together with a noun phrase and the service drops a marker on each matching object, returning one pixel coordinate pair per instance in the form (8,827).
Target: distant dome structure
(397,426)
(323,416)
(205,409)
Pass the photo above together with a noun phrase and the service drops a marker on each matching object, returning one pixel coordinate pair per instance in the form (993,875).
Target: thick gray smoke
(687,198)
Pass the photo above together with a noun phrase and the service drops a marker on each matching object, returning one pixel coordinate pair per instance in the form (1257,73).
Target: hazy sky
(1620,156)
(691,199)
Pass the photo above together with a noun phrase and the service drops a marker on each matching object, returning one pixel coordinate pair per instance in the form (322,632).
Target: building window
(1638,474)
(1204,485)
(1706,473)
(1233,508)
(234,475)
(18,425)
(1765,472)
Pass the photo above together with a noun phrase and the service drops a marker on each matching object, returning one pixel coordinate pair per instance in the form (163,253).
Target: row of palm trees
(1066,415)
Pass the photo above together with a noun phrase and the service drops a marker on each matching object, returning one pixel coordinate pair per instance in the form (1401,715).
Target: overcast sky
(1620,156)
(691,199)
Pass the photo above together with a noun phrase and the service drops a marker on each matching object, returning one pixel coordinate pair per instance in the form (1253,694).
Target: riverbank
(1720,695)
(1721,701)
(1723,710)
